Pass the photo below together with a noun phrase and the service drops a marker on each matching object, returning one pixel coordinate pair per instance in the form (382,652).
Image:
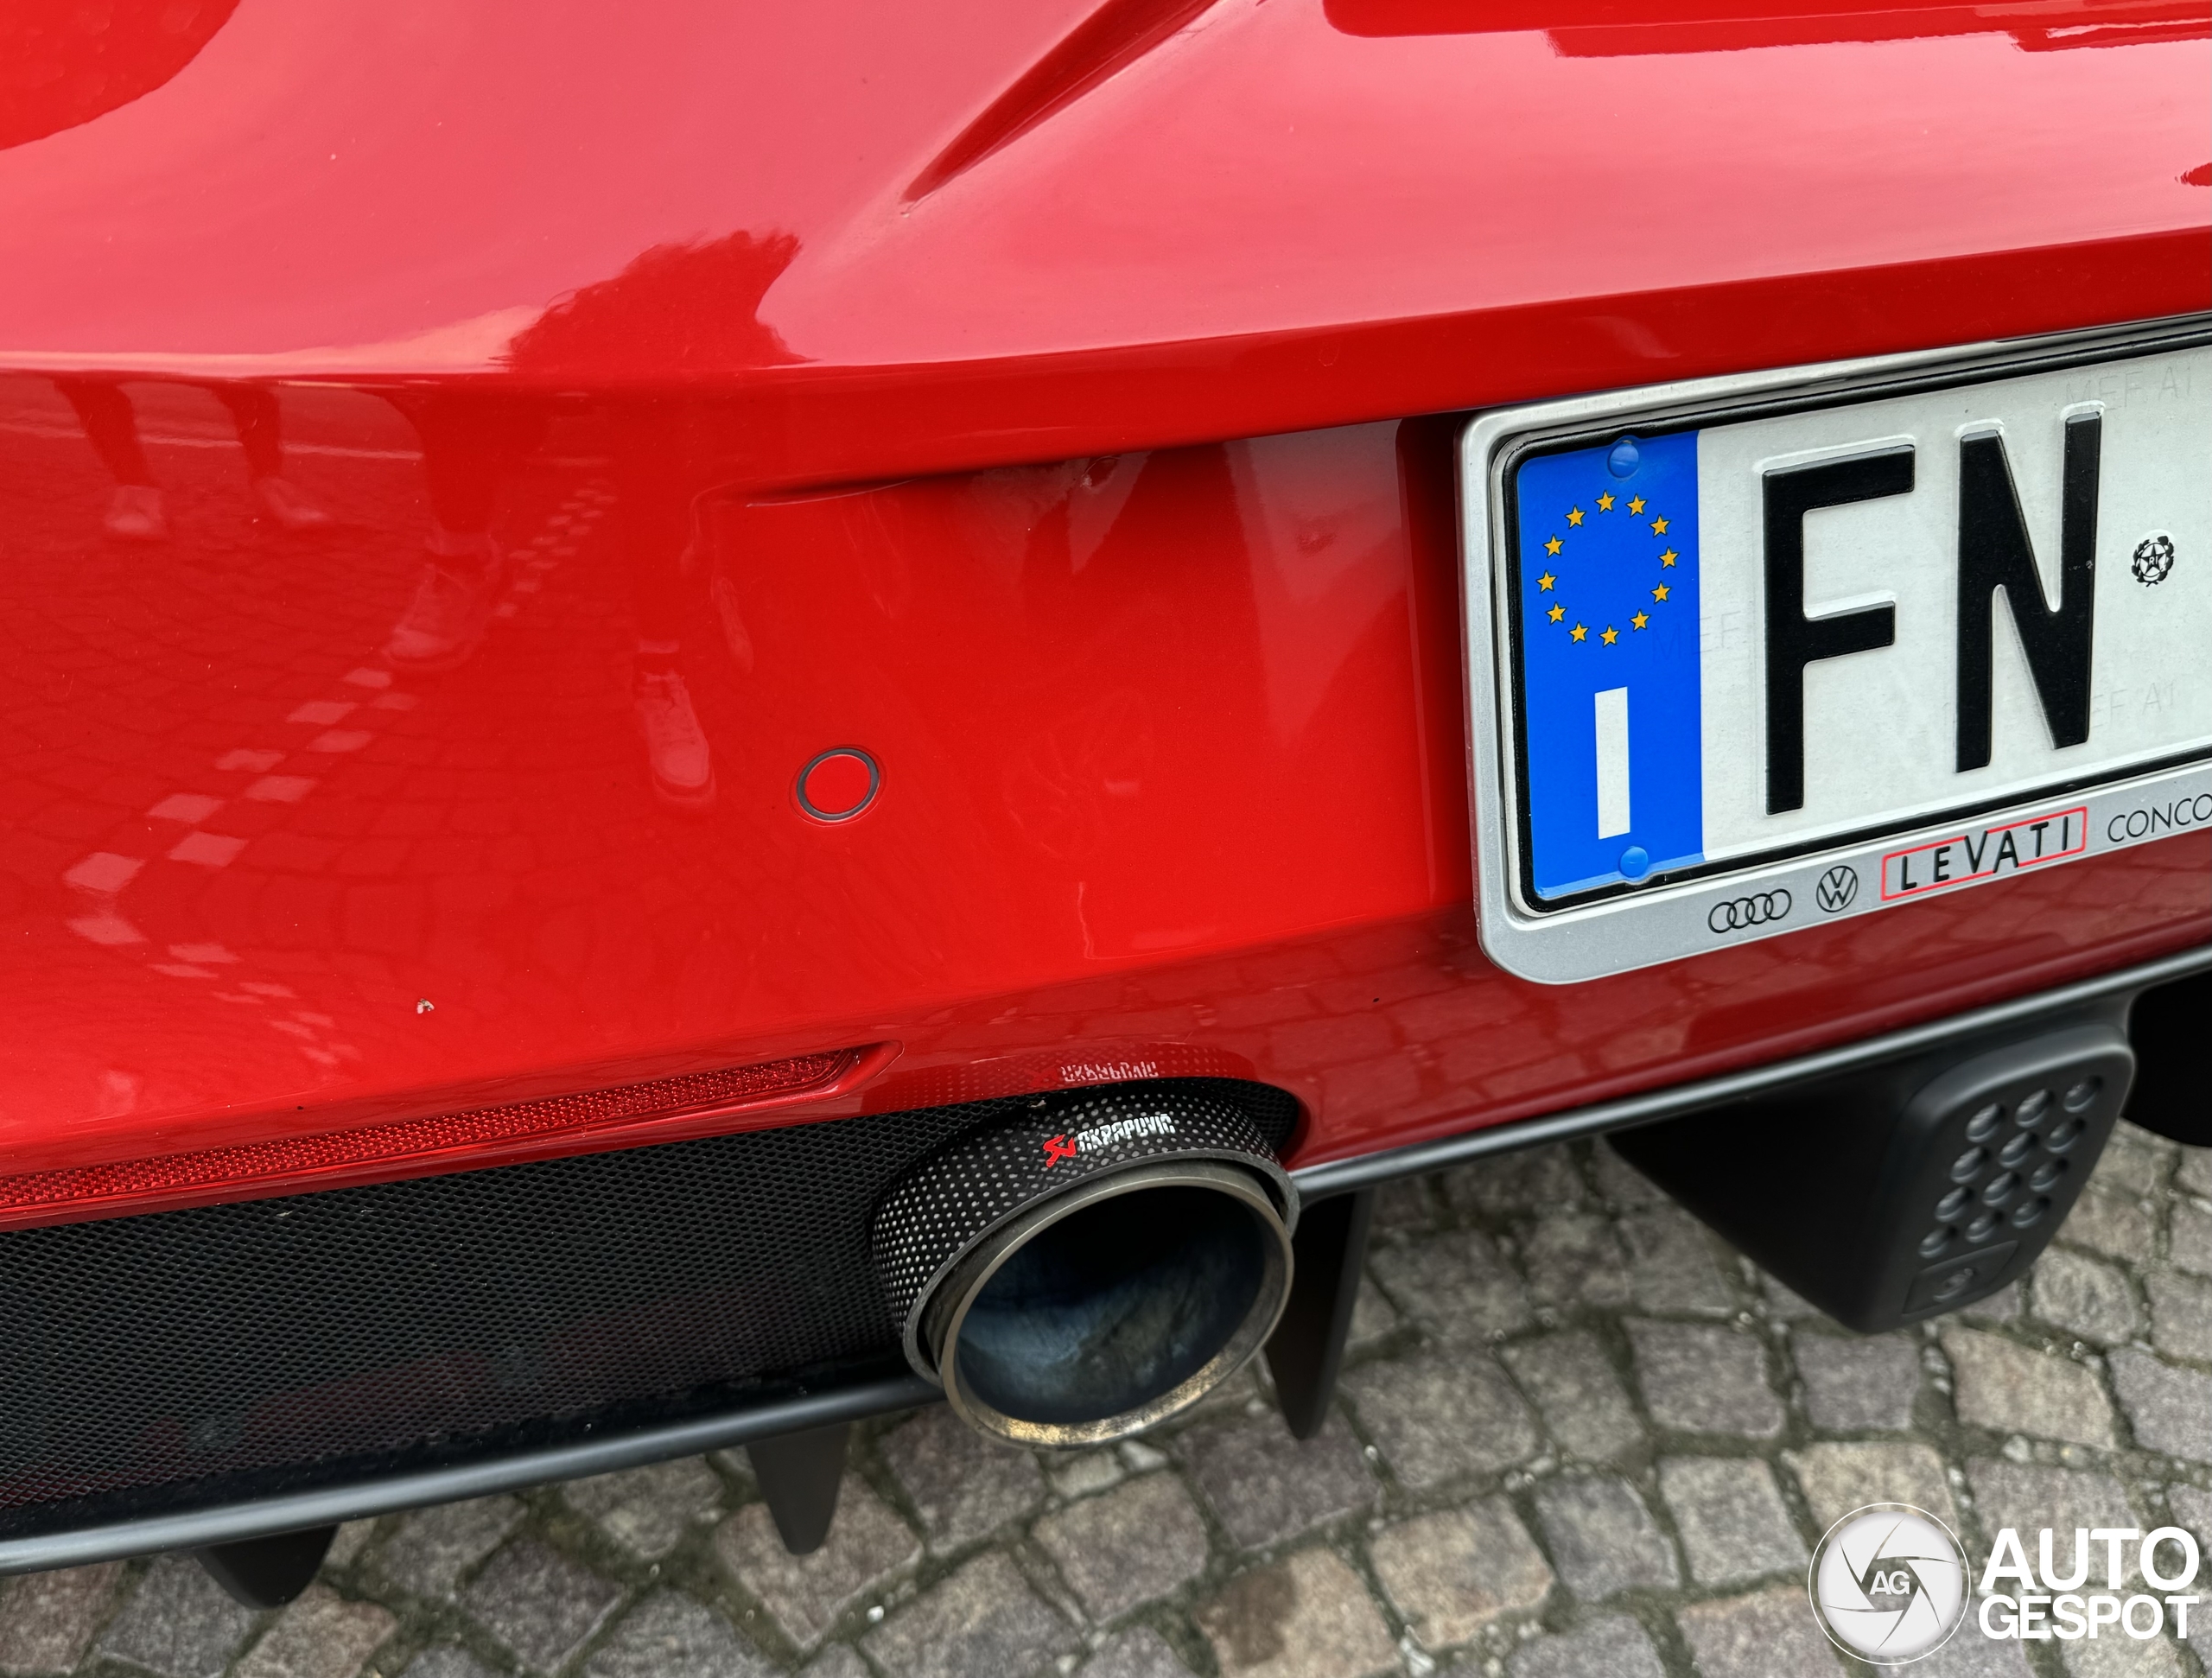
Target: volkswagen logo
(1838,886)
(1739,912)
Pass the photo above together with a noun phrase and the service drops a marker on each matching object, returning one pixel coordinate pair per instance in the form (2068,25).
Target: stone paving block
(2116,1225)
(1454,1284)
(647,1511)
(2114,1654)
(1404,1204)
(2192,1508)
(1138,1652)
(984,1618)
(1700,1380)
(1602,1537)
(2194,1172)
(1614,1647)
(1622,1183)
(1765,1635)
(2014,1389)
(1970,1654)
(1538,1179)
(1306,1615)
(1733,1525)
(1672,1265)
(1839,1479)
(836,1661)
(2134,1160)
(1078,1474)
(1136,1543)
(179,1622)
(963,1485)
(320,1636)
(1576,1258)
(2189,1238)
(434,1548)
(347,1543)
(46,1620)
(804,1594)
(1372,1316)
(447,1661)
(2084,1296)
(2170,1409)
(672,1637)
(1857,1384)
(2004,1306)
(1580,1399)
(539,1603)
(1439,1413)
(1785,1305)
(1267,1486)
(1451,1573)
(2029,1496)
(2181,1315)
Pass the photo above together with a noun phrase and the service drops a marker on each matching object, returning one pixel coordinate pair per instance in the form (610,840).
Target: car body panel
(1170,723)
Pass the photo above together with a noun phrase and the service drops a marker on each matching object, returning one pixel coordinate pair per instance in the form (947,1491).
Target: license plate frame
(1829,876)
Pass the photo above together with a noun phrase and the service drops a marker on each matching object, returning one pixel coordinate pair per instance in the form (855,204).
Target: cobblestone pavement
(1577,1438)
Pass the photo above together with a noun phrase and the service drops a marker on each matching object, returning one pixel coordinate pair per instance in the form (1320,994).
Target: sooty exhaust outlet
(1100,1264)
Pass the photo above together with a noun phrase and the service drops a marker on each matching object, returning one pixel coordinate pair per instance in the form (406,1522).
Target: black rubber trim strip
(327,1506)
(1341,1176)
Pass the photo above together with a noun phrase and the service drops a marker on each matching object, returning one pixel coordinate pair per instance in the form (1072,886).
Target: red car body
(1055,405)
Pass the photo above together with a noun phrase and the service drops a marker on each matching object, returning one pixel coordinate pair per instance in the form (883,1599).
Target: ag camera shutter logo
(1888,1584)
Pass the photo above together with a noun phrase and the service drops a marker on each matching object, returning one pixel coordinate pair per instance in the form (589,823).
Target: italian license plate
(1755,654)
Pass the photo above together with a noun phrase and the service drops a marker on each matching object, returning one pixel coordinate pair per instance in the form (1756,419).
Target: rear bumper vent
(183,1358)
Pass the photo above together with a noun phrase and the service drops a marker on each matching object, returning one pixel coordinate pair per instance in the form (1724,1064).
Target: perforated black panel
(189,1358)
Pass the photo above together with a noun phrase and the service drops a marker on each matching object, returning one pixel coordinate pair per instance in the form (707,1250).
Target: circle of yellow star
(1574,515)
(1640,620)
(1658,527)
(1611,635)
(1553,547)
(1636,505)
(1545,580)
(1605,502)
(1578,633)
(1556,613)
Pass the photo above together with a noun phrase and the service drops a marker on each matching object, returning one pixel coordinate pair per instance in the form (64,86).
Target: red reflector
(378,1152)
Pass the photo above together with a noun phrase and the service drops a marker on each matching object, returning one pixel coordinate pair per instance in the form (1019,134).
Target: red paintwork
(1170,735)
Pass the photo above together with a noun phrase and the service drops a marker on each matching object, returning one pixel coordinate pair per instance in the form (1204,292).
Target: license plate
(1755,654)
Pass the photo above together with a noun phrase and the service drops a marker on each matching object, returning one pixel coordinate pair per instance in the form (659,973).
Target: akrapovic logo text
(1108,1071)
(1097,1136)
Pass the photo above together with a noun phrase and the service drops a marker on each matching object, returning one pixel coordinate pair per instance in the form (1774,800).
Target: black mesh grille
(190,1358)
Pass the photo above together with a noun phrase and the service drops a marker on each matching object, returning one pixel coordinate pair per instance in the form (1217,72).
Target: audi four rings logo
(1739,912)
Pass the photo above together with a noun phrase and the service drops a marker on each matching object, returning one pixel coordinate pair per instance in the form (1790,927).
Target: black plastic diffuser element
(1091,1266)
(2173,1083)
(1889,1196)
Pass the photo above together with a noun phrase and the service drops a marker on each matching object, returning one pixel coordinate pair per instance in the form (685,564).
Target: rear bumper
(2163,1048)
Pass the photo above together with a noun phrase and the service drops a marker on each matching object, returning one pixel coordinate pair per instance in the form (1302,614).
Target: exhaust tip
(1077,1275)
